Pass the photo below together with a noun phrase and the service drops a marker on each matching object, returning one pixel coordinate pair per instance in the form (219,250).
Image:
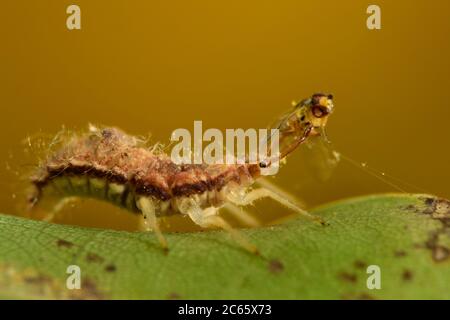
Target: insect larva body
(100,172)
(110,165)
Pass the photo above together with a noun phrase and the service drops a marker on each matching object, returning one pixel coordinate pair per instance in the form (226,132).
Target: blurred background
(154,66)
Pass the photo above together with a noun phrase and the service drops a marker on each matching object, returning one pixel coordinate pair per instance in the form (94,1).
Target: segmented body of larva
(110,165)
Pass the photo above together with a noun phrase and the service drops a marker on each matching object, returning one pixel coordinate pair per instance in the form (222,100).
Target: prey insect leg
(148,210)
(208,218)
(256,194)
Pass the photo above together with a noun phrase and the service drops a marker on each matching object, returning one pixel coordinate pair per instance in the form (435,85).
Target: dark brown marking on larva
(348,277)
(407,275)
(64,243)
(116,157)
(360,264)
(110,268)
(275,266)
(95,258)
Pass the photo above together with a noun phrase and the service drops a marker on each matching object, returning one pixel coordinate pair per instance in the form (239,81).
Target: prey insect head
(317,109)
(308,118)
(312,114)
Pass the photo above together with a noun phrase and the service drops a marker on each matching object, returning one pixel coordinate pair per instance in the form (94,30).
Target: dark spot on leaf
(348,277)
(90,290)
(360,264)
(275,266)
(429,201)
(39,279)
(354,296)
(438,209)
(64,243)
(411,208)
(110,268)
(93,257)
(365,296)
(407,275)
(346,296)
(400,253)
(173,296)
(440,253)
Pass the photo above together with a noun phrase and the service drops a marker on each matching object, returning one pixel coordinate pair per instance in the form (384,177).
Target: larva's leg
(242,215)
(266,193)
(148,211)
(208,218)
(267,184)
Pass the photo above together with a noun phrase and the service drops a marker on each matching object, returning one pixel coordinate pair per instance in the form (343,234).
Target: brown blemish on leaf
(90,290)
(365,296)
(355,296)
(110,268)
(275,266)
(407,275)
(360,264)
(400,253)
(29,283)
(173,296)
(38,279)
(429,201)
(64,243)
(440,253)
(348,277)
(438,209)
(93,257)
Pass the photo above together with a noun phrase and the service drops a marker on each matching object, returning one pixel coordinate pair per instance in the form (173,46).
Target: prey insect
(108,164)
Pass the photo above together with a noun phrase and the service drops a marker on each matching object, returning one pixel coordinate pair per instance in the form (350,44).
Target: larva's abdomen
(91,187)
(110,165)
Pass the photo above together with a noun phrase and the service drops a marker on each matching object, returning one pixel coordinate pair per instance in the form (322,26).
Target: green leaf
(407,236)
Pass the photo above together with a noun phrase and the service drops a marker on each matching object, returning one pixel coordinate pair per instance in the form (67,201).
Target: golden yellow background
(154,66)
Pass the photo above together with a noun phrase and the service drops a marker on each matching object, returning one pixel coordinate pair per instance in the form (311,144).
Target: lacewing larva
(108,164)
